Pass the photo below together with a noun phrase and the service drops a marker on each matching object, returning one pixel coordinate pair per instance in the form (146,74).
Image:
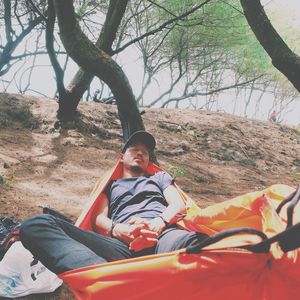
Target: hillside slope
(214,156)
(220,155)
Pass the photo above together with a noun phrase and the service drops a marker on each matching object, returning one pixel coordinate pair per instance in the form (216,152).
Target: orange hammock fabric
(217,272)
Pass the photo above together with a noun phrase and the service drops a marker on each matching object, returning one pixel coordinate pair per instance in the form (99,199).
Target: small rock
(57,125)
(6,166)
(185,146)
(296,162)
(200,179)
(47,158)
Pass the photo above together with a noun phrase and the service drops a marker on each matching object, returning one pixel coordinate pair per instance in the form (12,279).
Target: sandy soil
(214,156)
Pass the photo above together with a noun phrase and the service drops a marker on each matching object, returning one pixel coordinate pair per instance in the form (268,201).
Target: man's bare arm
(124,232)
(175,204)
(169,216)
(103,223)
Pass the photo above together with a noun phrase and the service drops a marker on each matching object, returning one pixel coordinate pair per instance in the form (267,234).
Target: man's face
(136,158)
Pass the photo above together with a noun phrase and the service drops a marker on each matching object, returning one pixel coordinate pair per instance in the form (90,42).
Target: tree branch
(19,57)
(196,93)
(112,22)
(163,8)
(37,10)
(283,58)
(59,73)
(5,56)
(161,27)
(7,19)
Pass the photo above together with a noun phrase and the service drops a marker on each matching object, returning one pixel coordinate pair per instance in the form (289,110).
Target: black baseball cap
(142,137)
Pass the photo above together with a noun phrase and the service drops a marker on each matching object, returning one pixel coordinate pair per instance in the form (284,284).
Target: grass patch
(175,171)
(296,129)
(296,176)
(6,183)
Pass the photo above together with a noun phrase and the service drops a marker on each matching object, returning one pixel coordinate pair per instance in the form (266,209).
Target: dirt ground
(214,156)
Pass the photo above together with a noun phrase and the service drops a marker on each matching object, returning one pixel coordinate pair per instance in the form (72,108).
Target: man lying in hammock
(136,218)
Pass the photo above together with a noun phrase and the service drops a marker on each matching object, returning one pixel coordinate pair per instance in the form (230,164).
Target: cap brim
(142,137)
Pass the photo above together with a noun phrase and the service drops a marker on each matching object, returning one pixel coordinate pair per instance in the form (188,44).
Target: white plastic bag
(21,275)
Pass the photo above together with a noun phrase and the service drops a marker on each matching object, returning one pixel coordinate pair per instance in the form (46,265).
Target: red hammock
(221,270)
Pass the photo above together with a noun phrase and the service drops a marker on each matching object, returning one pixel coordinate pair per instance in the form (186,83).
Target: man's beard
(137,169)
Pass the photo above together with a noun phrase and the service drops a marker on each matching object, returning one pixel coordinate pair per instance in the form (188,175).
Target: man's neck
(131,173)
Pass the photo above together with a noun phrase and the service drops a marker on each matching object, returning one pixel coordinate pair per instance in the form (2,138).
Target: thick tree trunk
(95,61)
(82,79)
(283,58)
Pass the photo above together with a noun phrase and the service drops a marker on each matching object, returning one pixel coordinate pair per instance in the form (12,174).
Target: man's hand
(148,234)
(146,239)
(136,235)
(156,225)
(127,232)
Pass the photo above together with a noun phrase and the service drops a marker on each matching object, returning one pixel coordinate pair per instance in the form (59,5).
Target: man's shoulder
(157,174)
(163,176)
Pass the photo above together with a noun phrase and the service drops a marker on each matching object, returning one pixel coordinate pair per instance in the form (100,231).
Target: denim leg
(61,246)
(174,238)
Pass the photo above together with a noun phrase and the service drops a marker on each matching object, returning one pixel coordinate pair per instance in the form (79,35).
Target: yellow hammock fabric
(217,272)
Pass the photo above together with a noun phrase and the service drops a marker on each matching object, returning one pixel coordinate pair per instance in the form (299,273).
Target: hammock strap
(196,247)
(285,201)
(291,206)
(293,199)
(289,239)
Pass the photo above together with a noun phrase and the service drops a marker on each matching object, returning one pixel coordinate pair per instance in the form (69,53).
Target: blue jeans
(61,246)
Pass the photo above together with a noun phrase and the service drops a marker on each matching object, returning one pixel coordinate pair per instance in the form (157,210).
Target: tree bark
(82,79)
(283,58)
(59,73)
(95,61)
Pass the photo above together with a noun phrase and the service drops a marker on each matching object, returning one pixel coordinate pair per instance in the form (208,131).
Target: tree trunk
(82,79)
(95,61)
(283,58)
